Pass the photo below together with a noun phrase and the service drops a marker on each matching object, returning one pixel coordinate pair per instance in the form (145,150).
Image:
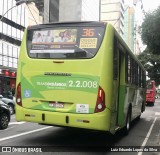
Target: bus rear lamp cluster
(18,95)
(100,104)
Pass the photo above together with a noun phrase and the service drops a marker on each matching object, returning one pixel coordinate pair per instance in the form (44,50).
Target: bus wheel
(128,123)
(143,107)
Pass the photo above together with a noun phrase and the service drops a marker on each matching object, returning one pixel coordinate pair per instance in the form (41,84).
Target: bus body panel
(64,92)
(90,121)
(83,90)
(31,76)
(79,89)
(151,92)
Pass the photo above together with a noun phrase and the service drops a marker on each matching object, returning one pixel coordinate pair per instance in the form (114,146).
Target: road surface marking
(157,113)
(147,137)
(25,133)
(11,123)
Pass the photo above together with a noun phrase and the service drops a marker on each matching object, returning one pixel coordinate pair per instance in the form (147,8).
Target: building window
(12,29)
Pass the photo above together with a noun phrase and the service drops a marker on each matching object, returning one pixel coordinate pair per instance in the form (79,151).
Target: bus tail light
(100,104)
(18,95)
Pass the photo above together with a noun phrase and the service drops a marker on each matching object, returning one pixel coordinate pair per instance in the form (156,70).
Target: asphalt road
(23,136)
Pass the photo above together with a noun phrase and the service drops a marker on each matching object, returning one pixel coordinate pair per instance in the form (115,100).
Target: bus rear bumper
(96,121)
(150,100)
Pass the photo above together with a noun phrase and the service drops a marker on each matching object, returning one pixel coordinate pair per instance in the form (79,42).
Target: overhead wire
(120,16)
(31,13)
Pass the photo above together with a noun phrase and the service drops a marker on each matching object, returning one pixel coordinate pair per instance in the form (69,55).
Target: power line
(7,12)
(32,14)
(120,16)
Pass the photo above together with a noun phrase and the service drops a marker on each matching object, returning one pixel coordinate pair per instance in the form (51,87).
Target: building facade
(112,12)
(69,10)
(133,16)
(129,27)
(33,15)
(12,25)
(85,10)
(13,20)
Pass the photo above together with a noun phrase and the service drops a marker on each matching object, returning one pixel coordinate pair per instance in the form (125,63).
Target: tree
(151,64)
(150,31)
(150,35)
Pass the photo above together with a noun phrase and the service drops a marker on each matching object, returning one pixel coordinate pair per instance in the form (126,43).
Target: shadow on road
(72,139)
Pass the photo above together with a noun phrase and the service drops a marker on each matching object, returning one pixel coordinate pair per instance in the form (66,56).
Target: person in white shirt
(37,38)
(49,37)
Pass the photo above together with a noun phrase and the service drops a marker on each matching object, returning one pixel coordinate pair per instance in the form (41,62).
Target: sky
(150,5)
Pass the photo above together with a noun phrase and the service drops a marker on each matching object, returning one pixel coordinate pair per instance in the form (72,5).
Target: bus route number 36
(82,84)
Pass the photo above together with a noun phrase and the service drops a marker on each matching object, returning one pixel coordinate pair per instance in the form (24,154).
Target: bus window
(64,42)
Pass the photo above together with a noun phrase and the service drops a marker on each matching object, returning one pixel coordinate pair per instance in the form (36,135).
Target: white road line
(25,133)
(157,113)
(11,123)
(147,137)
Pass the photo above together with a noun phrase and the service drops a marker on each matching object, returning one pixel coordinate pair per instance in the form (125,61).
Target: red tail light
(100,104)
(18,95)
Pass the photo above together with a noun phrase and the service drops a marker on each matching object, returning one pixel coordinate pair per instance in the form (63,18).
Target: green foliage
(150,31)
(150,35)
(151,63)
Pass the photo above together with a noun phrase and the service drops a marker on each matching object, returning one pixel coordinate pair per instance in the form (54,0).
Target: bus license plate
(56,105)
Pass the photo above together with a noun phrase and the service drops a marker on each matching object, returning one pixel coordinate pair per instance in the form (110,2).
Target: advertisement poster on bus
(53,39)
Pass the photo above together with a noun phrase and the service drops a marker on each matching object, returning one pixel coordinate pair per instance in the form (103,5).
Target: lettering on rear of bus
(82,84)
(60,84)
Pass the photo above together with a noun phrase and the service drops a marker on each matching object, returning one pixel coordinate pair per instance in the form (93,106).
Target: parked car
(9,102)
(9,95)
(4,115)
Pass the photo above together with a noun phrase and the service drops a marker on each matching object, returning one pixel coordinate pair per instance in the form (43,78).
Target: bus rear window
(64,42)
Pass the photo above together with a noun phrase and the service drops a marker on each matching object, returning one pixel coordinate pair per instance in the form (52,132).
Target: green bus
(78,74)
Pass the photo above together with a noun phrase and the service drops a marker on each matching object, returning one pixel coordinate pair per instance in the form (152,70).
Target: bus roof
(87,23)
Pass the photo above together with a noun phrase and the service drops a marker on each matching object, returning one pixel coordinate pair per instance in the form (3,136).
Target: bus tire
(126,129)
(143,107)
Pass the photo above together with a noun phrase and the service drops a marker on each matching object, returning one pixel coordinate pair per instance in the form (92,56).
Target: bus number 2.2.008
(82,84)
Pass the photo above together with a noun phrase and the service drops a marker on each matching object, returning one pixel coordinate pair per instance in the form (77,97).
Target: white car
(9,102)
